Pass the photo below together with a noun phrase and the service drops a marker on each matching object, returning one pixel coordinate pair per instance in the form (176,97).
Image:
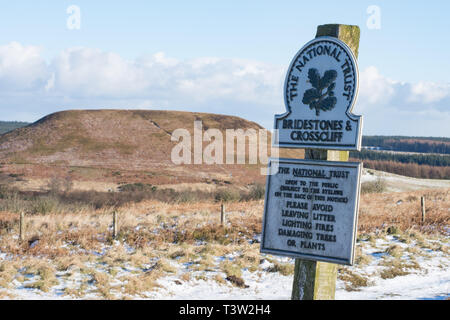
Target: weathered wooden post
(115,230)
(223,217)
(22,226)
(315,280)
(311,205)
(422,205)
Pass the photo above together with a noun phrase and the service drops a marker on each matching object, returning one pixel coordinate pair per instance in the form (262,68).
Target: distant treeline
(409,144)
(420,159)
(409,169)
(6,126)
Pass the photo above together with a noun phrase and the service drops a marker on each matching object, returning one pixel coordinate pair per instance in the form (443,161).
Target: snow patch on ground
(398,183)
(431,281)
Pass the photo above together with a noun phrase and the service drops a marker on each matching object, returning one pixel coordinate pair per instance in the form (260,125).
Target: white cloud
(160,58)
(429,92)
(91,78)
(391,107)
(374,88)
(21,67)
(92,73)
(84,72)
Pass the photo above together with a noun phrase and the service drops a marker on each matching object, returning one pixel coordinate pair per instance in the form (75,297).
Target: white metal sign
(310,210)
(320,90)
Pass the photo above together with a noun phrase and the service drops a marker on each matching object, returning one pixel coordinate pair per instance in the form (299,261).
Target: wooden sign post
(315,280)
(311,205)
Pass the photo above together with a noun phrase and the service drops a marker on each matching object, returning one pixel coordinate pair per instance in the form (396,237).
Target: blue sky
(201,46)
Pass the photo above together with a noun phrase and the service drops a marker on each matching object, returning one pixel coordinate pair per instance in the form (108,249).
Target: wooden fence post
(315,280)
(22,227)
(422,205)
(222,214)
(114,224)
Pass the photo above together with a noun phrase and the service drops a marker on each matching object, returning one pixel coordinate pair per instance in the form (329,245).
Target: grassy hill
(120,146)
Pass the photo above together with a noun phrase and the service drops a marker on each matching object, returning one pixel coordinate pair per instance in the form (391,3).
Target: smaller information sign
(311,210)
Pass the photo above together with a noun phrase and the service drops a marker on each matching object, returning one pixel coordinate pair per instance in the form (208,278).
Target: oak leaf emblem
(315,97)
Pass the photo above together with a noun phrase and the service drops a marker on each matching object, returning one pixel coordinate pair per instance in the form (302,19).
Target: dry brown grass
(154,236)
(66,263)
(231,268)
(394,271)
(397,267)
(286,269)
(403,210)
(46,273)
(102,282)
(7,274)
(152,223)
(360,257)
(6,295)
(395,251)
(352,280)
(139,284)
(74,292)
(219,279)
(186,277)
(190,222)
